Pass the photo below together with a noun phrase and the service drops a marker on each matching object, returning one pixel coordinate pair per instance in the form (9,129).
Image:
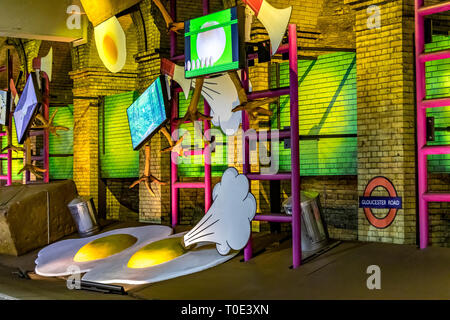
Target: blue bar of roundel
(380,202)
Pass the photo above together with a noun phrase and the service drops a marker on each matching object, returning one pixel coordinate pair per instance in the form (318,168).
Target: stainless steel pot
(84,215)
(314,233)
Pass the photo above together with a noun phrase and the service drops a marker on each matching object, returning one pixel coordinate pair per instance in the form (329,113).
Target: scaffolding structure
(291,133)
(176,185)
(45,153)
(423,104)
(6,175)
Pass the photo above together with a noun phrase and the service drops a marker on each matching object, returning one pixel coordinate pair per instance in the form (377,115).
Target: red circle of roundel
(380,223)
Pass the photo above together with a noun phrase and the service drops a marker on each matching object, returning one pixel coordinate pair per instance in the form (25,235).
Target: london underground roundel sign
(369,202)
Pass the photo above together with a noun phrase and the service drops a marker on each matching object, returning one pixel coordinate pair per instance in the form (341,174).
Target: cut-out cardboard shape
(228,222)
(202,257)
(26,107)
(5,105)
(274,20)
(111,44)
(148,113)
(214,43)
(56,259)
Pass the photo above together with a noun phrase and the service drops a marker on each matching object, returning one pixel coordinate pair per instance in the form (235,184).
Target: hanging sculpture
(110,38)
(148,178)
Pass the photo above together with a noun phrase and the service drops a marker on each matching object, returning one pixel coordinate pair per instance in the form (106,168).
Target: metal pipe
(273,218)
(421,125)
(207,151)
(269,177)
(189,185)
(295,152)
(271,93)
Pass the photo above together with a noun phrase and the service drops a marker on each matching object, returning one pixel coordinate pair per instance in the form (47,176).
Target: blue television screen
(148,113)
(26,107)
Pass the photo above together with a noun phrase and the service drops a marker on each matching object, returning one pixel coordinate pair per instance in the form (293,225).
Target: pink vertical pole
(421,125)
(174,115)
(207,153)
(9,171)
(248,250)
(173,165)
(46,103)
(207,159)
(295,152)
(9,129)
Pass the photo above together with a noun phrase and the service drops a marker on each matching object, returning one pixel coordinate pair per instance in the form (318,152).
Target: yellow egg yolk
(156,253)
(104,247)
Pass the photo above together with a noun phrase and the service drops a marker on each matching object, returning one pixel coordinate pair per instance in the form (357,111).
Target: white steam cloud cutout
(228,221)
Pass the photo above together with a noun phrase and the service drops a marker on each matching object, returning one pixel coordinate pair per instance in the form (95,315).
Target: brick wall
(386,134)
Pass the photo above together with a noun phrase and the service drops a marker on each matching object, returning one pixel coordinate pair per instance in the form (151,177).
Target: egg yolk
(104,247)
(156,253)
(110,49)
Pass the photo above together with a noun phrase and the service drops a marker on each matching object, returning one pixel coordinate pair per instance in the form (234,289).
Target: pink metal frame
(8,155)
(422,104)
(293,134)
(45,156)
(206,152)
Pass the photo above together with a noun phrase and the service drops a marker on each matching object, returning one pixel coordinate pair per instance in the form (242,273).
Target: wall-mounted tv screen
(149,112)
(212,43)
(26,107)
(5,107)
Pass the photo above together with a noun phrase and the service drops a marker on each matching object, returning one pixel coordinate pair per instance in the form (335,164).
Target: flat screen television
(5,107)
(214,43)
(149,112)
(26,107)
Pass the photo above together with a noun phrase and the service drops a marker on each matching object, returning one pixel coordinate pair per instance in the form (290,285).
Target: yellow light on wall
(156,253)
(104,247)
(111,44)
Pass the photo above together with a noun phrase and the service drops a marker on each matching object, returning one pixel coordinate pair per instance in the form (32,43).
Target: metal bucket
(84,215)
(314,233)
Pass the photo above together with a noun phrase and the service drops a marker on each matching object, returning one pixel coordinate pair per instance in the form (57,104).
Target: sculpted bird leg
(49,124)
(174,146)
(28,163)
(10,145)
(148,179)
(253,108)
(12,148)
(192,114)
(171,25)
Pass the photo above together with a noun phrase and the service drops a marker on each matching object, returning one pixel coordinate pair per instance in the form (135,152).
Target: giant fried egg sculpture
(59,258)
(151,254)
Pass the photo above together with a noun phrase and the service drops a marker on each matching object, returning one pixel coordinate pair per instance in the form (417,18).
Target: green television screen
(212,43)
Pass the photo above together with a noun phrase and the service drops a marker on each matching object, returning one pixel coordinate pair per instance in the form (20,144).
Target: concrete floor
(406,273)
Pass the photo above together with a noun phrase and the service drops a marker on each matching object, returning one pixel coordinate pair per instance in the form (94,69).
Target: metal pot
(84,214)
(314,233)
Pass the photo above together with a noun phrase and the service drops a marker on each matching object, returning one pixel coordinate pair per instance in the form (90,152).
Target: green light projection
(327,106)
(438,86)
(117,158)
(61,148)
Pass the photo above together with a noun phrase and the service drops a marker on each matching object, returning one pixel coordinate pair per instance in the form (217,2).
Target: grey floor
(340,273)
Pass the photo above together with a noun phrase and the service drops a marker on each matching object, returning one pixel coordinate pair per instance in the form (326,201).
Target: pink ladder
(8,132)
(44,157)
(422,104)
(7,156)
(206,152)
(293,134)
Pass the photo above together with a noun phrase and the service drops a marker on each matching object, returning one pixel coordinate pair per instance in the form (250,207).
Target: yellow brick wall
(386,142)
